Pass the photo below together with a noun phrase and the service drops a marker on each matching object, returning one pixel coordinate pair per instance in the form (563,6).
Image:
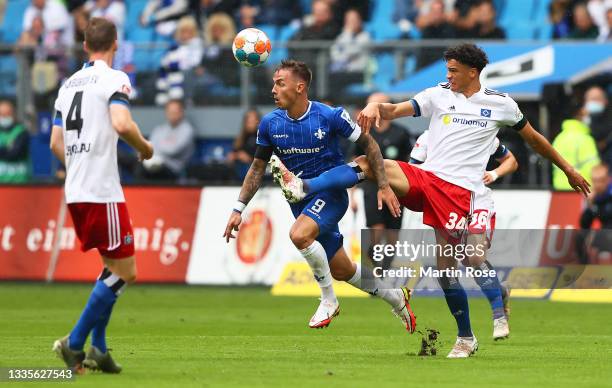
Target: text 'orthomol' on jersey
(308,144)
(82,110)
(462,131)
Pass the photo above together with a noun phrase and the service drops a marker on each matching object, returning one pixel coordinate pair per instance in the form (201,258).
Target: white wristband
(239,206)
(494,175)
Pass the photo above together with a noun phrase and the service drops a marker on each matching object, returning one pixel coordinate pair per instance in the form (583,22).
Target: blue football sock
(457,302)
(98,307)
(490,286)
(98,334)
(340,177)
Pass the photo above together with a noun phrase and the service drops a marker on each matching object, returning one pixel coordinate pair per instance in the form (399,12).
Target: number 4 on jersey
(76,123)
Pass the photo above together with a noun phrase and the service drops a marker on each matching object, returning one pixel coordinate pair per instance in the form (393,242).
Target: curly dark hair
(468,54)
(300,69)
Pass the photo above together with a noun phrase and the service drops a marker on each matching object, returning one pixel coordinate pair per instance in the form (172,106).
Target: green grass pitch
(200,336)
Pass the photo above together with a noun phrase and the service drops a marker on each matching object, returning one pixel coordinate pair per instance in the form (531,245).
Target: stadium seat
(13,19)
(8,77)
(270,30)
(280,52)
(516,12)
(385,71)
(520,30)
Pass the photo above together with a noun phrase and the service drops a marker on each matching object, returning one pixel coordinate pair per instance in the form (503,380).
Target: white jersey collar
(302,116)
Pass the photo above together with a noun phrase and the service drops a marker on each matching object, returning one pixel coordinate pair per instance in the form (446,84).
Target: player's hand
(368,116)
(578,182)
(387,196)
(490,177)
(232,225)
(147,153)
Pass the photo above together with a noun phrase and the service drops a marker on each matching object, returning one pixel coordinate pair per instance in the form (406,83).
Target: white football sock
(317,259)
(395,297)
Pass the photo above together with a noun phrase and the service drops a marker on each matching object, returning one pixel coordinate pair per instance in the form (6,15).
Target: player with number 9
(304,137)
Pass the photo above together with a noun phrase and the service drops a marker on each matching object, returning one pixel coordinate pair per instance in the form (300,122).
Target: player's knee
(342,274)
(300,238)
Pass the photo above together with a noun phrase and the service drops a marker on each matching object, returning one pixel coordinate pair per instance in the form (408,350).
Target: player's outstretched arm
(251,184)
(544,148)
(374,111)
(377,166)
(57,143)
(126,127)
(508,165)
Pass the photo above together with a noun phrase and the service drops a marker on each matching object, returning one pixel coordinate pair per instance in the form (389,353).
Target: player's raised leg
(303,234)
(343,269)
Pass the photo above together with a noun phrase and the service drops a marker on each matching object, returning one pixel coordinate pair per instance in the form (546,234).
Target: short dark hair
(298,68)
(100,35)
(468,54)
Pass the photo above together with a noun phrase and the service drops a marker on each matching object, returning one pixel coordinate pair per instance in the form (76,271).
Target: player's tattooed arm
(374,157)
(252,181)
(377,167)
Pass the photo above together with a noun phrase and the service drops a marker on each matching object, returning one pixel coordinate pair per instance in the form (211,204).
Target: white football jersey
(82,110)
(462,131)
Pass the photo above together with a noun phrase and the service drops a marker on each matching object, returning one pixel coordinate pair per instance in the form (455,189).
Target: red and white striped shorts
(104,226)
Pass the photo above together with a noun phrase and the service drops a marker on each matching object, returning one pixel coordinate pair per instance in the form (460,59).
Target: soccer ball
(251,47)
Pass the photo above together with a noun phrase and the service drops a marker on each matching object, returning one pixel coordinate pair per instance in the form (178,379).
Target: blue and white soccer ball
(251,47)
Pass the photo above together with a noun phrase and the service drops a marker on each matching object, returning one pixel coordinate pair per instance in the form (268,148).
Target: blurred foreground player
(304,134)
(91,112)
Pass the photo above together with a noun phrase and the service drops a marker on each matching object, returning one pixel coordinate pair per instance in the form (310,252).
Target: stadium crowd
(191,55)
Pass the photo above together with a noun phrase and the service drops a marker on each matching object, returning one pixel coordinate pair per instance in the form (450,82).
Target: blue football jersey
(308,144)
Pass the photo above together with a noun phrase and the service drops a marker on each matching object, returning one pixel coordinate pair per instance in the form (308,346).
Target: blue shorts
(327,209)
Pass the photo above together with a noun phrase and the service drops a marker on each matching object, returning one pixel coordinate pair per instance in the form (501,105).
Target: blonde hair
(222,20)
(186,22)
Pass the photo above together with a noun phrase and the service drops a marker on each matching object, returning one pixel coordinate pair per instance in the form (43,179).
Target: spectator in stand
(245,144)
(609,20)
(113,10)
(465,15)
(339,8)
(47,56)
(597,10)
(80,18)
(322,26)
(218,66)
(204,9)
(486,25)
(584,28)
(182,57)
(349,53)
(164,15)
(56,19)
(598,243)
(273,12)
(425,17)
(14,143)
(174,143)
(437,27)
(577,146)
(599,118)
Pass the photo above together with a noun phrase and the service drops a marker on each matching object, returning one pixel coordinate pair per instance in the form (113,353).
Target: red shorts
(104,226)
(445,206)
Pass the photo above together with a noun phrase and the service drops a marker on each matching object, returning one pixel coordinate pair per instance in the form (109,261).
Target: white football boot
(464,347)
(291,184)
(326,311)
(501,329)
(404,312)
